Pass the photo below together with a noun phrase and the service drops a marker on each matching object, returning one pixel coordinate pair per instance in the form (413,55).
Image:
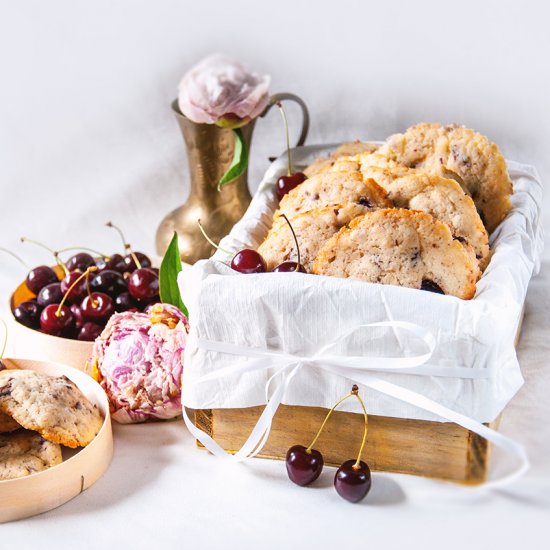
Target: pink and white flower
(220,90)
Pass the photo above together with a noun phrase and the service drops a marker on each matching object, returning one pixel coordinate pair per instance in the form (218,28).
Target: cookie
(24,452)
(443,198)
(400,247)
(51,405)
(347,149)
(313,228)
(8,424)
(461,154)
(332,188)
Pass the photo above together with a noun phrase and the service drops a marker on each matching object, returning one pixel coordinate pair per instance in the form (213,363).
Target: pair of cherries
(352,480)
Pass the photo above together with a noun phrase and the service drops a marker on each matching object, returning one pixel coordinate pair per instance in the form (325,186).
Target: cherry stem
(107,258)
(21,261)
(216,246)
(355,391)
(285,121)
(5,343)
(57,258)
(295,241)
(125,243)
(85,274)
(329,414)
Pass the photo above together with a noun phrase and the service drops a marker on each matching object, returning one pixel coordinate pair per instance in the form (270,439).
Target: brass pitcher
(210,152)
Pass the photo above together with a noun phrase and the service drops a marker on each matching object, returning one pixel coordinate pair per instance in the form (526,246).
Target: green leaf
(239,162)
(168,277)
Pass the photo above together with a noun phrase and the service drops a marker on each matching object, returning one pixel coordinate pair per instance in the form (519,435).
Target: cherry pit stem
(125,243)
(85,274)
(216,246)
(285,122)
(92,250)
(53,252)
(354,392)
(20,260)
(5,342)
(295,241)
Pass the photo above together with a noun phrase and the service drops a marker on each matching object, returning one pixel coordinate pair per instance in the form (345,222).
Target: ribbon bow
(357,368)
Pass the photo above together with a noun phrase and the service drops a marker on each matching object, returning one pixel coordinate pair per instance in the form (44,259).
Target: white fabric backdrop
(86,135)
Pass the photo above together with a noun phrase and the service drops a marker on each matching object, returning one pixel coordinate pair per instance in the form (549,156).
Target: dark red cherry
(115,263)
(54,324)
(288,183)
(79,290)
(131,264)
(39,277)
(143,285)
(124,302)
(97,307)
(108,281)
(302,467)
(89,331)
(28,314)
(353,484)
(288,266)
(248,261)
(431,286)
(50,294)
(81,261)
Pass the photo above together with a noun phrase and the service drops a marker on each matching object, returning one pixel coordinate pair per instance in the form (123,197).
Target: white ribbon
(359,369)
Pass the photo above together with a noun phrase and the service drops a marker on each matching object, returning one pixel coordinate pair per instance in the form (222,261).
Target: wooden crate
(440,450)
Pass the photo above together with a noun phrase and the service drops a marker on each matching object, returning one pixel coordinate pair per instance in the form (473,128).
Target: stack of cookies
(416,211)
(38,414)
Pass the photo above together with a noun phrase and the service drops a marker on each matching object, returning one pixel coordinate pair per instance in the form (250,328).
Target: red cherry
(56,323)
(78,317)
(89,331)
(50,294)
(79,290)
(302,467)
(39,277)
(288,267)
(80,261)
(248,261)
(143,284)
(288,183)
(352,483)
(97,307)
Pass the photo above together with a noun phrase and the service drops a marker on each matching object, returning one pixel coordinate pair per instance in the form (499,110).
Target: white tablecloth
(86,135)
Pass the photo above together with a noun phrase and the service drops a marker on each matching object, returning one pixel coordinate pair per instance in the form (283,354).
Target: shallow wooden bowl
(33,344)
(81,468)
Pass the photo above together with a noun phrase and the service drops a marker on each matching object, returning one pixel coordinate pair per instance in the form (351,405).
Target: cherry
(56,320)
(143,285)
(78,317)
(80,261)
(108,281)
(115,263)
(28,314)
(124,302)
(430,286)
(288,266)
(39,277)
(303,467)
(89,331)
(287,183)
(353,480)
(50,294)
(131,264)
(248,261)
(97,307)
(78,291)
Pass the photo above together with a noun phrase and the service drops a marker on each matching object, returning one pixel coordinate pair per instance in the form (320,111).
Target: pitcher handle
(283,96)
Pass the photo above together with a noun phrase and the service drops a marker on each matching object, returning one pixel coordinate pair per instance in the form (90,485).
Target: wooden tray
(37,493)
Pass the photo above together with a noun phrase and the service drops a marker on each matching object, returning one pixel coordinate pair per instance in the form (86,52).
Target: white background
(86,135)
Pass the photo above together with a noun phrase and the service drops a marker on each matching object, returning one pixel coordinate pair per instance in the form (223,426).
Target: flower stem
(282,111)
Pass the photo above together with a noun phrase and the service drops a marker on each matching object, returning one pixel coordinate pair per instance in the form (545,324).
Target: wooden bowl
(33,344)
(27,496)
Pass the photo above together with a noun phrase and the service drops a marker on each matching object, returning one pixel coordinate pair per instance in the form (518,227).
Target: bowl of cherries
(58,311)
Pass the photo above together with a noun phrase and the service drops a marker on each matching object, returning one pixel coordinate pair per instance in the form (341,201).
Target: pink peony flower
(219,90)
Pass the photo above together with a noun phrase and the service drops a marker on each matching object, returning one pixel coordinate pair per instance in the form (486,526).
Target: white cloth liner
(298,314)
